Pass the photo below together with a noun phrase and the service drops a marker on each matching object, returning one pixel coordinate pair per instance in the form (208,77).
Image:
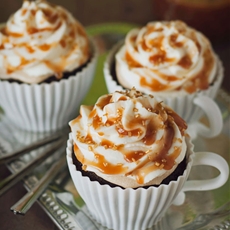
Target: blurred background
(212,17)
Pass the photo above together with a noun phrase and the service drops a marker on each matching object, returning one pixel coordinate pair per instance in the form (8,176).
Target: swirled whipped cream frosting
(164,57)
(129,139)
(41,40)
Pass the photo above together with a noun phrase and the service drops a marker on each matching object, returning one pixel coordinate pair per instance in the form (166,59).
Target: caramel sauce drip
(57,68)
(178,120)
(6,32)
(131,62)
(24,12)
(169,77)
(131,126)
(104,101)
(72,33)
(123,98)
(81,31)
(133,156)
(107,143)
(154,43)
(185,62)
(63,43)
(160,58)
(50,16)
(161,160)
(150,135)
(173,41)
(29,49)
(33,30)
(100,163)
(44,47)
(93,113)
(194,38)
(151,29)
(78,154)
(133,39)
(76,120)
(116,119)
(155,85)
(88,139)
(201,80)
(96,122)
(11,69)
(13,34)
(33,12)
(134,132)
(166,164)
(107,167)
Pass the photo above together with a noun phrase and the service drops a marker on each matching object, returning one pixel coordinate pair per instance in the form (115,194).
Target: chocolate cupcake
(47,63)
(129,157)
(129,150)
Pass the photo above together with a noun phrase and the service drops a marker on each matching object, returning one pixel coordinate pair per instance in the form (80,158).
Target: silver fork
(66,201)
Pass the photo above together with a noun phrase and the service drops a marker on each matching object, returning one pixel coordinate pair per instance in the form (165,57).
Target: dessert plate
(202,210)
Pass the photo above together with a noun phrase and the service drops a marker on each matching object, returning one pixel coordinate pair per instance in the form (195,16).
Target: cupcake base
(53,78)
(94,177)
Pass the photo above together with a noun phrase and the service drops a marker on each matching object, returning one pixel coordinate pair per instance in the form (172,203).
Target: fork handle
(8,182)
(24,204)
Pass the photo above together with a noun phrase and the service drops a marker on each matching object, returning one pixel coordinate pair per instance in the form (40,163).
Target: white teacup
(141,208)
(207,106)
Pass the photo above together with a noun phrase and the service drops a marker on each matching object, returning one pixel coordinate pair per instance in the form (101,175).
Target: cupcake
(47,63)
(128,156)
(169,59)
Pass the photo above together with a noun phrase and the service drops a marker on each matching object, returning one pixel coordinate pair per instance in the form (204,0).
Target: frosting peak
(129,139)
(41,40)
(166,56)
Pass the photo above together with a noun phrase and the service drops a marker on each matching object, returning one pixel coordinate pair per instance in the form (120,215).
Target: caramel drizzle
(57,68)
(159,159)
(200,81)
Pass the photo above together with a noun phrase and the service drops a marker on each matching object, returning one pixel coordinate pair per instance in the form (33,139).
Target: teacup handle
(214,116)
(210,159)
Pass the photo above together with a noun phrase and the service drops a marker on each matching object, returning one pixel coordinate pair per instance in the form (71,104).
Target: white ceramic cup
(209,159)
(213,116)
(117,208)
